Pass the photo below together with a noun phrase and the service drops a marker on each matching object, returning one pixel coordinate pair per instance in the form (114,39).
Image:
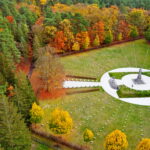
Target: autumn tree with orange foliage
(59,41)
(83,39)
(65,26)
(123,28)
(97,29)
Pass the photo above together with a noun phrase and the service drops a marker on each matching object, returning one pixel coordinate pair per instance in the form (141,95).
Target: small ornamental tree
(120,37)
(116,140)
(96,41)
(134,32)
(76,46)
(108,37)
(86,42)
(147,35)
(144,144)
(88,135)
(36,113)
(60,122)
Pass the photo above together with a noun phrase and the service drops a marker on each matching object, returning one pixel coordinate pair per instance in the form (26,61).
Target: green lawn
(97,110)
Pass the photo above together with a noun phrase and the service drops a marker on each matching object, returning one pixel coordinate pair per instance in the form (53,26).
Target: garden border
(83,91)
(81,77)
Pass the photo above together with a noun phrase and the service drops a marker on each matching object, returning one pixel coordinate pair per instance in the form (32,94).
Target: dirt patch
(44,95)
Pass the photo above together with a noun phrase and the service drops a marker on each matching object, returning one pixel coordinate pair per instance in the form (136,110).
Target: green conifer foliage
(14,133)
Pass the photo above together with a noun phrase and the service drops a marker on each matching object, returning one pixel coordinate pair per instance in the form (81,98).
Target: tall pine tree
(13,131)
(24,96)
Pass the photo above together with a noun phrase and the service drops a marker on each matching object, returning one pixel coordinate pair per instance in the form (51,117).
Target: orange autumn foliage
(97,29)
(59,40)
(10,19)
(10,88)
(123,28)
(1,29)
(40,20)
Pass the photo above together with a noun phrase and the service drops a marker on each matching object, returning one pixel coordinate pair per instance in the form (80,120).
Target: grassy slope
(99,111)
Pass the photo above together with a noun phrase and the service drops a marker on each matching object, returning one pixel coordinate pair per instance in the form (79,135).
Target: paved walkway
(80,84)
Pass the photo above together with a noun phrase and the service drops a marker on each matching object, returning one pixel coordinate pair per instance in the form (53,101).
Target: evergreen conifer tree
(24,96)
(14,133)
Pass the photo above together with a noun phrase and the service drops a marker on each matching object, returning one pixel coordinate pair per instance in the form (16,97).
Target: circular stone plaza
(133,78)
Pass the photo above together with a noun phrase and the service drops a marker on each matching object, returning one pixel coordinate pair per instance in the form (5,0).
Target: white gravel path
(80,84)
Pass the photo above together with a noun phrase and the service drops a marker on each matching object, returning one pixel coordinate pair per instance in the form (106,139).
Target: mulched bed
(82,91)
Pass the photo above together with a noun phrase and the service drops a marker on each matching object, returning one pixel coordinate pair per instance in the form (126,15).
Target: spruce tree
(14,133)
(24,96)
(7,69)
(8,45)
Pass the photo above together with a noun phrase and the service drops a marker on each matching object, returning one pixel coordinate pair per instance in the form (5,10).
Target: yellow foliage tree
(50,31)
(60,122)
(36,113)
(116,140)
(144,144)
(88,135)
(85,40)
(65,26)
(96,41)
(43,2)
(76,46)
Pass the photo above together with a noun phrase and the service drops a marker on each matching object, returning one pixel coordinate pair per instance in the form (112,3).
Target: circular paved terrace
(128,82)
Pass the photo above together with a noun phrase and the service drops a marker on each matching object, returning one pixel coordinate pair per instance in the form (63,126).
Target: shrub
(144,144)
(125,92)
(147,35)
(96,41)
(36,113)
(108,37)
(60,122)
(88,135)
(116,141)
(134,32)
(76,46)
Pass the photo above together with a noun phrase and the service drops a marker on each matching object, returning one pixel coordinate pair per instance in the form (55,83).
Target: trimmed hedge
(125,92)
(119,75)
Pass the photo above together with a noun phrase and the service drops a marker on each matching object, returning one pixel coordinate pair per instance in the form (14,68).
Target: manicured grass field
(98,111)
